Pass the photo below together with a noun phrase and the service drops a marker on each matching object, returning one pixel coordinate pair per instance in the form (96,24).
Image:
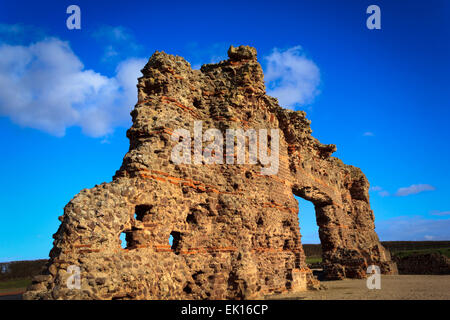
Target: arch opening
(308,222)
(309,231)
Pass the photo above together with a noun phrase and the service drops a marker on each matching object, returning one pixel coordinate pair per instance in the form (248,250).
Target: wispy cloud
(402,192)
(368,134)
(113,34)
(45,86)
(414,189)
(118,42)
(440,213)
(380,190)
(384,193)
(414,228)
(20,33)
(291,77)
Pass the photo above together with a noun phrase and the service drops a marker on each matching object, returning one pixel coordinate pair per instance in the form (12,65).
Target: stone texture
(236,232)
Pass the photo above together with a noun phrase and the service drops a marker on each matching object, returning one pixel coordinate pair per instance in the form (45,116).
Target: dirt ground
(399,287)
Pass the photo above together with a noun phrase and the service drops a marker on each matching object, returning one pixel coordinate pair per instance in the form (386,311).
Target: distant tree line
(21,269)
(396,246)
(315,250)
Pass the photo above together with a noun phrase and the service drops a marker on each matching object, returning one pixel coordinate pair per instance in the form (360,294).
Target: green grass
(406,253)
(313,260)
(15,284)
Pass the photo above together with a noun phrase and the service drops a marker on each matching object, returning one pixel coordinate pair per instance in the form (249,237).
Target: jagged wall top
(236,83)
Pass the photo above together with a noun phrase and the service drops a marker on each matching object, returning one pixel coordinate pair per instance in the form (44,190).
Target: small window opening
(286,245)
(197,103)
(123,240)
(188,289)
(191,218)
(142,211)
(260,222)
(175,241)
(287,223)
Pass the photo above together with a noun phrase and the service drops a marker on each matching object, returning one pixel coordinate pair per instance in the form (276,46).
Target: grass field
(310,260)
(14,286)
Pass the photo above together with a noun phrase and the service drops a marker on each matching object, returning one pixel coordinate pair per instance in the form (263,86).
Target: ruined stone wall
(235,231)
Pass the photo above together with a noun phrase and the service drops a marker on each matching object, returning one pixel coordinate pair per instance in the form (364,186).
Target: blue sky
(380,95)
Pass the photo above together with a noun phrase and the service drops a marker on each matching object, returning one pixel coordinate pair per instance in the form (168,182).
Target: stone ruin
(235,231)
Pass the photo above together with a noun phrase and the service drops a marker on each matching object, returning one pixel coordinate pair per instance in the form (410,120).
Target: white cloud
(413,228)
(45,86)
(375,188)
(368,134)
(414,189)
(291,77)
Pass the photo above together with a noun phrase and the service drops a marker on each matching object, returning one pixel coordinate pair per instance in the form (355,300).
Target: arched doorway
(309,231)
